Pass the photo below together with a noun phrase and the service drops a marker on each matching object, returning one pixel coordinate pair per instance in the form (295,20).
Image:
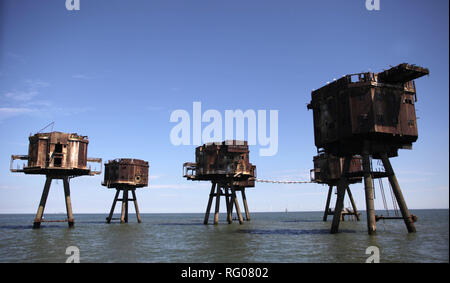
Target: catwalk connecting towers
(371,115)
(58,156)
(227,166)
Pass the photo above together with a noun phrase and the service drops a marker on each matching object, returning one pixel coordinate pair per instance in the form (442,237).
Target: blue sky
(115,70)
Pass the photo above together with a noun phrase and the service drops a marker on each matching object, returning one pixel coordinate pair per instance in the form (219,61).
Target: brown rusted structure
(328,170)
(125,175)
(58,156)
(371,115)
(228,167)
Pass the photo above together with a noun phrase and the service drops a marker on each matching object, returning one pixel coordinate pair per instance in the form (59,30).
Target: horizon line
(281,211)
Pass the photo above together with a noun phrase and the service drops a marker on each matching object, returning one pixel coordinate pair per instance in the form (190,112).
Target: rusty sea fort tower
(57,156)
(327,171)
(125,175)
(371,115)
(227,166)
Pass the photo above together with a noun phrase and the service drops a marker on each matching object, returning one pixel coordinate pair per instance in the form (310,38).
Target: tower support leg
(229,205)
(126,204)
(138,216)
(341,188)
(244,200)
(398,194)
(70,219)
(231,202)
(40,211)
(327,205)
(236,204)
(218,194)
(122,215)
(111,212)
(368,188)
(352,201)
(208,208)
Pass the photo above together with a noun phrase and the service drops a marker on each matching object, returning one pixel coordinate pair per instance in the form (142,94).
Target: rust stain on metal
(378,107)
(56,153)
(370,115)
(225,161)
(227,166)
(58,156)
(125,175)
(328,169)
(126,172)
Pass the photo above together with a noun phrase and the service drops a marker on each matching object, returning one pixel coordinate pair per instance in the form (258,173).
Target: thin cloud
(34,84)
(82,77)
(21,95)
(25,102)
(154,177)
(8,112)
(33,89)
(16,57)
(38,103)
(68,111)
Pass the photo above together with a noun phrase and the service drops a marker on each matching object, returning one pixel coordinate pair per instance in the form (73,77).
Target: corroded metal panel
(248,183)
(228,160)
(57,153)
(126,172)
(402,73)
(58,149)
(328,169)
(376,107)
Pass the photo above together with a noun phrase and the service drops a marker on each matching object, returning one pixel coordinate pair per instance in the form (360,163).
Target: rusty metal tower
(227,166)
(58,156)
(371,115)
(125,175)
(328,170)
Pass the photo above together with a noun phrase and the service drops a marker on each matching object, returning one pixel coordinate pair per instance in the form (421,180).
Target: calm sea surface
(268,237)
